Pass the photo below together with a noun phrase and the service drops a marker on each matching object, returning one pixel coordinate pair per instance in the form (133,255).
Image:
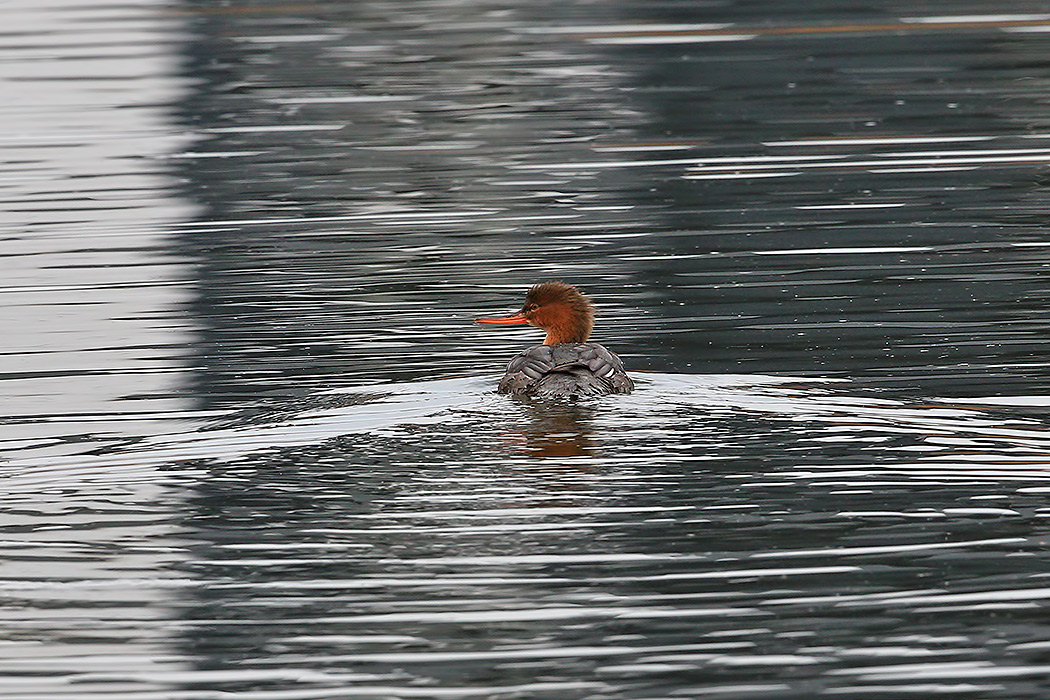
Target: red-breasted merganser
(566,364)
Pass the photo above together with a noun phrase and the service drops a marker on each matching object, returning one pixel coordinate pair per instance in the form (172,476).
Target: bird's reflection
(557,430)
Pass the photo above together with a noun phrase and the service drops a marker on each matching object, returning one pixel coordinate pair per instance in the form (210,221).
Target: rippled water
(252,448)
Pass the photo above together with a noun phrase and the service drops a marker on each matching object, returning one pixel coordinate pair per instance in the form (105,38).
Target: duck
(566,364)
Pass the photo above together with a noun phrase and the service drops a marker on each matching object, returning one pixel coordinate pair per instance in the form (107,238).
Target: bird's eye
(530,307)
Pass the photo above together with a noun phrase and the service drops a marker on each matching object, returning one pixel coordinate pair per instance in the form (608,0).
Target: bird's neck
(567,331)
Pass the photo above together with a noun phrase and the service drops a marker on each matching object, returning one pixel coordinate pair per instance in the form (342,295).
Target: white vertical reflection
(87,287)
(90,344)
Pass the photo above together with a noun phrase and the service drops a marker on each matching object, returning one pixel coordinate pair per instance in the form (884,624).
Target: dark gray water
(252,448)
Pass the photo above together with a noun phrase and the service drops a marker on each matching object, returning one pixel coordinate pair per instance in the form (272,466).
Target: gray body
(566,369)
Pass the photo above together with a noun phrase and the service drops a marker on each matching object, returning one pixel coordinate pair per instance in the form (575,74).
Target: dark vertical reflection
(356,165)
(373,174)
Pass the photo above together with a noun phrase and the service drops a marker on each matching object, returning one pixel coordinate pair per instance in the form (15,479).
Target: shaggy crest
(561,310)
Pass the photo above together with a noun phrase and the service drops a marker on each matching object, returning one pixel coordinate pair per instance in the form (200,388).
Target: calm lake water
(251,445)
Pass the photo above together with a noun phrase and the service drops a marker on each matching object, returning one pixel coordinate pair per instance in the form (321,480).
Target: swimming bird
(566,364)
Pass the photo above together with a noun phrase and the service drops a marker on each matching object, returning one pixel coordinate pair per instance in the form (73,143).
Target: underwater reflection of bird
(566,364)
(562,432)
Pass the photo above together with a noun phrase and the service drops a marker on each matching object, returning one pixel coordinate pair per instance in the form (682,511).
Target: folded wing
(566,369)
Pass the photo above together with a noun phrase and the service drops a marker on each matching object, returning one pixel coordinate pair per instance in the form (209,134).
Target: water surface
(252,444)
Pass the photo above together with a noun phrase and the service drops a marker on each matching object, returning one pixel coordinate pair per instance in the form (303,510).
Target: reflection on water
(557,430)
(253,445)
(92,347)
(89,283)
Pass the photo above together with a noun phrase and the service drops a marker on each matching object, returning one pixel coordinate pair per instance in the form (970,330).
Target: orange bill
(512,320)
